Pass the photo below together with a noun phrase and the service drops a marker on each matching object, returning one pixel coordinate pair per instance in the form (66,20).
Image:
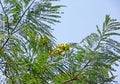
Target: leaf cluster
(29,55)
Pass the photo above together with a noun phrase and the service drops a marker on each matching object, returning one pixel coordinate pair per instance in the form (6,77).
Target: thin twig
(70,80)
(4,73)
(16,24)
(98,44)
(22,17)
(4,43)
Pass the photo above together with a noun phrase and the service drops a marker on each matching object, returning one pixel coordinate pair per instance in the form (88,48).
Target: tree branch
(16,24)
(70,80)
(98,44)
(4,72)
(22,17)
(76,77)
(4,43)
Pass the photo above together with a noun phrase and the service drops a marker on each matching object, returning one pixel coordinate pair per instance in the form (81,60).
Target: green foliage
(91,61)
(28,54)
(22,45)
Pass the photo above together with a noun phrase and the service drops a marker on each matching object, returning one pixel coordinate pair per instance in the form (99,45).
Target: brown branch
(70,80)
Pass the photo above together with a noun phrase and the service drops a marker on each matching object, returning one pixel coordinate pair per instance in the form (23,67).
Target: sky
(81,17)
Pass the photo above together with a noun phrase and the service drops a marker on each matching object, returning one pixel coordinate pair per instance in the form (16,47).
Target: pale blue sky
(81,17)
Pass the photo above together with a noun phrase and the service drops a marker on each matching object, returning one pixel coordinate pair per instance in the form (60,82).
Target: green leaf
(111,34)
(99,30)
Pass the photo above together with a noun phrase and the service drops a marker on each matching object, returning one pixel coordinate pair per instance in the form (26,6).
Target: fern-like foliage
(28,54)
(26,34)
(92,61)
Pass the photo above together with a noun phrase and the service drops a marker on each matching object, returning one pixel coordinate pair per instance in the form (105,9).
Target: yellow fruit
(59,49)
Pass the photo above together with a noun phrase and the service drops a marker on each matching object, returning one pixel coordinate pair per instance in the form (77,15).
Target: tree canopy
(29,53)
